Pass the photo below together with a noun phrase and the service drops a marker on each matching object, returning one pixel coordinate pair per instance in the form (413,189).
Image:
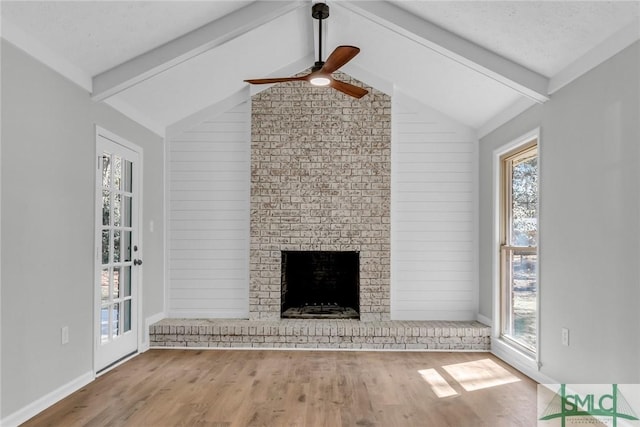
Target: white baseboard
(484,319)
(44,402)
(144,345)
(519,361)
(319,349)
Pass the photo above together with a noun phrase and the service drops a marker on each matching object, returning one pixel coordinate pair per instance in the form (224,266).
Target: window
(519,246)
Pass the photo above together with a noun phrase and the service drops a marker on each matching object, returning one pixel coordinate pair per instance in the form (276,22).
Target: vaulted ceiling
(475,61)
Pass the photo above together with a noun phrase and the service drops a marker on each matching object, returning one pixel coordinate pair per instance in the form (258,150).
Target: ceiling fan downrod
(321,74)
(319,11)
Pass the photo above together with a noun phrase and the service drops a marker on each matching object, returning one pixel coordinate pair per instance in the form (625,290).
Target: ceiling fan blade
(340,56)
(348,89)
(276,80)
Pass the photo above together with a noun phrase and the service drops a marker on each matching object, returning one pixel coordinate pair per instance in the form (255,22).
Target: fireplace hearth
(320,285)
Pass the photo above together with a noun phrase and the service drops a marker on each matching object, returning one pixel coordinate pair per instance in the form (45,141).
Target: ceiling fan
(321,71)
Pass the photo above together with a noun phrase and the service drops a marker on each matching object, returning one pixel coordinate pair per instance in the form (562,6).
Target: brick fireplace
(320,181)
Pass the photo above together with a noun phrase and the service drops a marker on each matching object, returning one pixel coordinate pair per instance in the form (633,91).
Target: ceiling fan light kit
(320,81)
(321,71)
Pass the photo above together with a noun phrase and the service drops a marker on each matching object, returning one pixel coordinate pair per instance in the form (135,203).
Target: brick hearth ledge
(321,334)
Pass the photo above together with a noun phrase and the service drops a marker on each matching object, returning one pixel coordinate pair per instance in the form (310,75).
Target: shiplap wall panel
(433,216)
(209,185)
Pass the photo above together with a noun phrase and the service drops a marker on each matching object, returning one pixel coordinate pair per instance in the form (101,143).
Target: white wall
(48,149)
(589,222)
(433,215)
(209,192)
(434,192)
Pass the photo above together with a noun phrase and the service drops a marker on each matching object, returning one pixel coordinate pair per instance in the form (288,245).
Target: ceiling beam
(521,79)
(192,44)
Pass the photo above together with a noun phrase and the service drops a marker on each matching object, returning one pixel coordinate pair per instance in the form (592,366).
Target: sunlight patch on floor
(439,385)
(480,374)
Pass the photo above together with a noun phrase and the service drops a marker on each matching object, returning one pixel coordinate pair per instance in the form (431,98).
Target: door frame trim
(101,132)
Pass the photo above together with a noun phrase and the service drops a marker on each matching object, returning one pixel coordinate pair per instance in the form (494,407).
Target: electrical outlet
(565,336)
(64,335)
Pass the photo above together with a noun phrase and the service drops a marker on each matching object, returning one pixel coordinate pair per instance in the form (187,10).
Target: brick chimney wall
(320,180)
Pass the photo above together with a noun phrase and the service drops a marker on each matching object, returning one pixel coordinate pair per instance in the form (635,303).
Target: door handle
(137,262)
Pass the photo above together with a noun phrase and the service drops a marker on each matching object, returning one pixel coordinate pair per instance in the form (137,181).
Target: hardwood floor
(301,388)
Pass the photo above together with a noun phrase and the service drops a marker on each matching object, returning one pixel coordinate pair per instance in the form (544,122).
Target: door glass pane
(105,246)
(104,285)
(106,169)
(116,282)
(117,172)
(126,326)
(127,178)
(126,211)
(126,246)
(104,323)
(115,319)
(106,207)
(125,281)
(116,234)
(117,210)
(116,246)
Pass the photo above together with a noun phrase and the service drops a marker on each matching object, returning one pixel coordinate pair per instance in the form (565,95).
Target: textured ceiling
(219,73)
(543,36)
(98,35)
(468,96)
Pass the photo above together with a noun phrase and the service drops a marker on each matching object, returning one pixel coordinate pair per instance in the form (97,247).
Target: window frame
(518,150)
(520,153)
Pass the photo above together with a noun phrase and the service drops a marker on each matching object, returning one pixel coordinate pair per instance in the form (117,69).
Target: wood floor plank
(262,388)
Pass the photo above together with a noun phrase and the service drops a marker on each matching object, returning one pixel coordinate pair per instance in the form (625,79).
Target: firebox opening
(320,285)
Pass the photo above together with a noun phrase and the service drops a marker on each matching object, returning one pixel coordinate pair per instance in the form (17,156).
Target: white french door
(118,252)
